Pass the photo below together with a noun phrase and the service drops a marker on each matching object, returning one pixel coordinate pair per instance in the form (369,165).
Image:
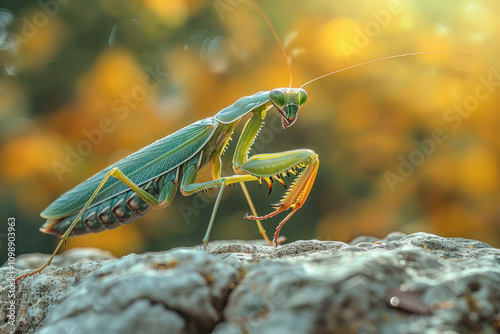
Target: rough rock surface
(419,283)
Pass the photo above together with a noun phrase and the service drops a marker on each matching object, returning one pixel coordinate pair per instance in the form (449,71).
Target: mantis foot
(39,270)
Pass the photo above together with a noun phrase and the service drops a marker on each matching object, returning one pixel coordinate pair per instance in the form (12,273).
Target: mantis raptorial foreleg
(274,165)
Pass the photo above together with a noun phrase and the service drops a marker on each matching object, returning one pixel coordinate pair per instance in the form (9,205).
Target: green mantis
(150,177)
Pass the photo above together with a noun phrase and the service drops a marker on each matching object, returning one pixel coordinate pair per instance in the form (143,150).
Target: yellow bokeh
(479,172)
(122,241)
(173,13)
(27,157)
(115,72)
(40,38)
(339,37)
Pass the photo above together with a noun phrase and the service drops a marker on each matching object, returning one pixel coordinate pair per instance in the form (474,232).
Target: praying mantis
(151,177)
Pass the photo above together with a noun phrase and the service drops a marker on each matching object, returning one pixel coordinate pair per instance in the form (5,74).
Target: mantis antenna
(402,55)
(259,10)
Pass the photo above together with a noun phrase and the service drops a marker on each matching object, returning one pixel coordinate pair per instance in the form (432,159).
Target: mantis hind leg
(165,197)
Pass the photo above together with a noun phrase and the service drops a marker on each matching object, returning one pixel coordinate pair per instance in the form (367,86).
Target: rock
(419,283)
(182,291)
(74,255)
(39,294)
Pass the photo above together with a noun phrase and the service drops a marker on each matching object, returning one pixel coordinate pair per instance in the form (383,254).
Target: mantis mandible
(150,177)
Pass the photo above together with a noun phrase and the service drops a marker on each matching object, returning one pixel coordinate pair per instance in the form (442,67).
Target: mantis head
(288,101)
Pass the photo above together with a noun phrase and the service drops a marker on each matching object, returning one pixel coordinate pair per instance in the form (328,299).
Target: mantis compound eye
(277,97)
(302,96)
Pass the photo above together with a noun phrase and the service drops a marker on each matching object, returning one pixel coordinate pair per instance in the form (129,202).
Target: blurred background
(409,144)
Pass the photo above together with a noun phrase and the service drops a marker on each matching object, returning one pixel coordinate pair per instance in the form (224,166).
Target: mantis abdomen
(118,210)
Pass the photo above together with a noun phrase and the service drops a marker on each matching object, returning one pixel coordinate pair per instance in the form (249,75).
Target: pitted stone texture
(435,284)
(37,295)
(185,289)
